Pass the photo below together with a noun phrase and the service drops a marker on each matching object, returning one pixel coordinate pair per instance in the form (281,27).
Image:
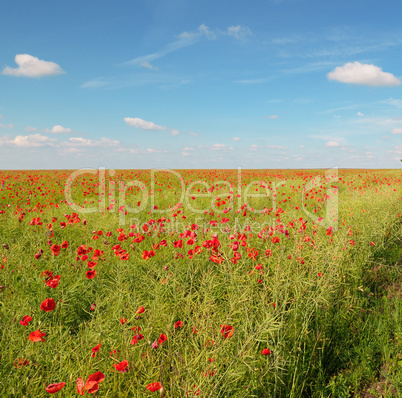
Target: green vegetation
(318,291)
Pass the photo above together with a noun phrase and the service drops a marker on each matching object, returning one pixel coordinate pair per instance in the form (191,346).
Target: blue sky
(200,84)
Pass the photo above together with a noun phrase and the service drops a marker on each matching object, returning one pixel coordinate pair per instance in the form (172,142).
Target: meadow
(209,283)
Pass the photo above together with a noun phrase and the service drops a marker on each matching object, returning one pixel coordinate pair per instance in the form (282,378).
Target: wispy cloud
(145,125)
(186,39)
(238,32)
(255,81)
(397,103)
(103,142)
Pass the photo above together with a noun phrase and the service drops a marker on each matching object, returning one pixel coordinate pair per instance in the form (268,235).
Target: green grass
(324,306)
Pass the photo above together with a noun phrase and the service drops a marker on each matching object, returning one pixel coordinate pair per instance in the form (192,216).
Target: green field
(295,292)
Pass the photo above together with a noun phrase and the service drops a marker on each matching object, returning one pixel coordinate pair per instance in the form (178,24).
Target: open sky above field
(200,84)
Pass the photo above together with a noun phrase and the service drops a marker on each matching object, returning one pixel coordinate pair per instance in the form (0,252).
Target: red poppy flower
(55,250)
(266,351)
(91,274)
(53,283)
(178,324)
(162,338)
(36,336)
(140,310)
(64,245)
(19,363)
(25,320)
(80,386)
(154,386)
(137,338)
(48,305)
(227,331)
(95,350)
(92,384)
(121,367)
(123,320)
(52,388)
(216,259)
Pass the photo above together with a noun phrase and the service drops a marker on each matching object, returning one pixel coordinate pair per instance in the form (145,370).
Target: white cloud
(236,139)
(359,114)
(193,134)
(218,147)
(363,74)
(186,153)
(238,32)
(253,147)
(30,66)
(151,150)
(272,117)
(6,126)
(331,144)
(143,124)
(35,140)
(60,130)
(396,131)
(301,146)
(276,147)
(1,116)
(103,142)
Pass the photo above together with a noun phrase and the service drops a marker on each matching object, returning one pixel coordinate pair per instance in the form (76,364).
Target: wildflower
(154,386)
(137,338)
(48,305)
(53,388)
(91,274)
(266,351)
(95,350)
(55,250)
(162,338)
(92,384)
(19,363)
(25,320)
(227,331)
(154,345)
(178,324)
(36,336)
(121,367)
(80,386)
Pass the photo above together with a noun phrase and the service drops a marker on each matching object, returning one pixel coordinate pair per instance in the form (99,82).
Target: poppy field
(209,283)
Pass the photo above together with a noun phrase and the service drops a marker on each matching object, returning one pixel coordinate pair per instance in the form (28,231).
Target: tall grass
(322,303)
